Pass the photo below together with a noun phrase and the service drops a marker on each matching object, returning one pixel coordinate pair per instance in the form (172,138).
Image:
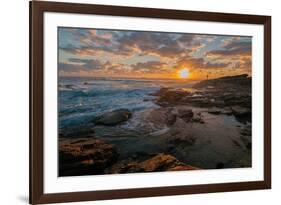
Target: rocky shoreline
(230,95)
(207,126)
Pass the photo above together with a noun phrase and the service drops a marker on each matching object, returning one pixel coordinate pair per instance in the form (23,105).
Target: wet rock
(113,118)
(185,114)
(246,136)
(198,118)
(171,119)
(226,111)
(214,111)
(160,162)
(168,96)
(162,116)
(162,91)
(246,130)
(249,146)
(185,140)
(236,143)
(240,111)
(183,167)
(242,114)
(85,156)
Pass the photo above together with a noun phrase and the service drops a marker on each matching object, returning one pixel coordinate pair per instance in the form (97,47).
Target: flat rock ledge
(158,163)
(85,156)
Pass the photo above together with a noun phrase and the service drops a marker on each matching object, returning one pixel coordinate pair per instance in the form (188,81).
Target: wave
(82,99)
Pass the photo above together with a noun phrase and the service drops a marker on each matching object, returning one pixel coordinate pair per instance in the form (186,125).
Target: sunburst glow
(184,73)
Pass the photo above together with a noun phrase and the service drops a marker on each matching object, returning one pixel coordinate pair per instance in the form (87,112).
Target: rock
(245,161)
(246,130)
(113,118)
(246,136)
(220,92)
(171,97)
(198,118)
(236,143)
(185,114)
(160,162)
(162,116)
(219,103)
(226,111)
(171,119)
(237,99)
(241,111)
(214,111)
(162,91)
(242,79)
(186,140)
(249,146)
(167,96)
(85,156)
(182,168)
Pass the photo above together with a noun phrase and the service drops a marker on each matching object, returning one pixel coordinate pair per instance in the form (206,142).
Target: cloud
(150,66)
(232,48)
(161,44)
(74,65)
(87,64)
(200,63)
(131,52)
(130,43)
(244,63)
(68,67)
(92,37)
(87,42)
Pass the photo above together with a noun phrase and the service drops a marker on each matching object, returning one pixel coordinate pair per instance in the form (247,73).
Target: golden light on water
(184,73)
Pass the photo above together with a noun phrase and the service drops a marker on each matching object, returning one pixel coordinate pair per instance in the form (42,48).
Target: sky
(141,54)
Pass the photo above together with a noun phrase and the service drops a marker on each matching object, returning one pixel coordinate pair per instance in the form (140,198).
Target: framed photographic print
(138,102)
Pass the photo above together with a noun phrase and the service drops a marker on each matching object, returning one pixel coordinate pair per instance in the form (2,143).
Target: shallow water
(217,141)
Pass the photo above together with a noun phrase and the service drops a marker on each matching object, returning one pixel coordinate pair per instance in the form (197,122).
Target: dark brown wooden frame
(37,9)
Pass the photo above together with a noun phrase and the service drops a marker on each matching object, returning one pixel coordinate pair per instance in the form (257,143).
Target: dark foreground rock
(160,162)
(85,156)
(241,111)
(185,114)
(113,118)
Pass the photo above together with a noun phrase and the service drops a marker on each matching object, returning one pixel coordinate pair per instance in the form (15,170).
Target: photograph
(134,101)
(130,102)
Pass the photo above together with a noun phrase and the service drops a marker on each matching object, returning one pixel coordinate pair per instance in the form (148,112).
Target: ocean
(81,99)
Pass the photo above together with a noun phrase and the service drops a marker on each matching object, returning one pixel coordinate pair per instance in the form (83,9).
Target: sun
(184,73)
